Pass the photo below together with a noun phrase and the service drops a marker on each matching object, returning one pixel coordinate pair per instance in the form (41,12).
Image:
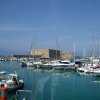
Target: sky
(55,24)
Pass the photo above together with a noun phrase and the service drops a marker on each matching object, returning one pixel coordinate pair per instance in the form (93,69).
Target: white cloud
(12,28)
(21,27)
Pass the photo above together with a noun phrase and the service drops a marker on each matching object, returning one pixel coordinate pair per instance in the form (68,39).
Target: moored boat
(12,83)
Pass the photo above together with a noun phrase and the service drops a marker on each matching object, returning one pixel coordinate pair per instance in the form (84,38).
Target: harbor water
(53,84)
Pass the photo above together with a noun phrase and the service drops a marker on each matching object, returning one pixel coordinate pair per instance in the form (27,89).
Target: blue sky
(70,21)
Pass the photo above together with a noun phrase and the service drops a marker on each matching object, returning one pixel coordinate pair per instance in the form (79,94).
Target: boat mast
(74,53)
(33,41)
(30,49)
(57,48)
(93,47)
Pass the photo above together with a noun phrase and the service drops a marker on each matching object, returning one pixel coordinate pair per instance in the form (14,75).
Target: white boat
(12,83)
(90,67)
(97,72)
(86,69)
(95,69)
(28,64)
(60,64)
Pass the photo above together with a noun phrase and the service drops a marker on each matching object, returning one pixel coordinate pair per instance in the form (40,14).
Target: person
(15,80)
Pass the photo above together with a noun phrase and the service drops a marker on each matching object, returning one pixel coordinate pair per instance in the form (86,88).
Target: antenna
(74,53)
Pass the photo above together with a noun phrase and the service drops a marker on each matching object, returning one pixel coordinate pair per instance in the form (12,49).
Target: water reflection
(96,80)
(46,83)
(40,88)
(64,74)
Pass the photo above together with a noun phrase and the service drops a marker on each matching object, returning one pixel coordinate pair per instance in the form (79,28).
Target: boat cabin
(13,77)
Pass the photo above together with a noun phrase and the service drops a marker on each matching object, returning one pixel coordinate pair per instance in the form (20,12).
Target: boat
(23,64)
(91,66)
(64,64)
(87,69)
(97,72)
(60,64)
(12,83)
(94,69)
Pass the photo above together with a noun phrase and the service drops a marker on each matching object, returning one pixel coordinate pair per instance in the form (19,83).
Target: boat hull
(20,86)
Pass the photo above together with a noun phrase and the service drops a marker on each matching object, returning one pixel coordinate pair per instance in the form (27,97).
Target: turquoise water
(54,85)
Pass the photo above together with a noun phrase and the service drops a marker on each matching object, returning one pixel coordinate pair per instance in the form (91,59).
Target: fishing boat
(12,83)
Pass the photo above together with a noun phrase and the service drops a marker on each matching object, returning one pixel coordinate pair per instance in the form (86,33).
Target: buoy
(3,94)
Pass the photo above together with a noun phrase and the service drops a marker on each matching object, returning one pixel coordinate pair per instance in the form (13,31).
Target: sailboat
(30,61)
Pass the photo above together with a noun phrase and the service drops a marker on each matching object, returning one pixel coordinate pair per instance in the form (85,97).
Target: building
(46,53)
(67,55)
(21,56)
